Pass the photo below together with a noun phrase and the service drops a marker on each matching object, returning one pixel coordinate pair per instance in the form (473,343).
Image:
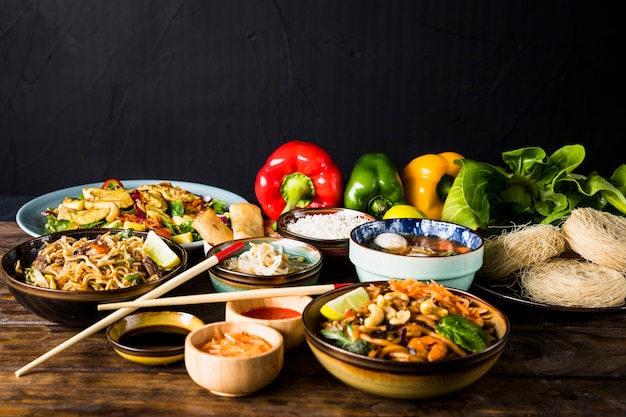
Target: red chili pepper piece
(112,184)
(298,174)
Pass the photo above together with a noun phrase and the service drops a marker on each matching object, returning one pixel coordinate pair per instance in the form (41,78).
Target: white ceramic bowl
(267,309)
(233,376)
(456,271)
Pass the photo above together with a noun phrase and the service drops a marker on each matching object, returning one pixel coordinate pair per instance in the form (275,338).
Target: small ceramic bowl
(233,376)
(152,337)
(225,279)
(282,313)
(403,380)
(330,229)
(455,271)
(71,308)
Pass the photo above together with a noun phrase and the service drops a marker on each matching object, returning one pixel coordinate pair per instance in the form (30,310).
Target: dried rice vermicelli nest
(524,246)
(597,236)
(573,283)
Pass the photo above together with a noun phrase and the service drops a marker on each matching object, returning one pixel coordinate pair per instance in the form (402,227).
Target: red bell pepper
(298,174)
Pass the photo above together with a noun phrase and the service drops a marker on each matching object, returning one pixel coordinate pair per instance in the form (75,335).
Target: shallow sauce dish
(71,308)
(225,279)
(330,247)
(233,376)
(403,380)
(152,337)
(455,271)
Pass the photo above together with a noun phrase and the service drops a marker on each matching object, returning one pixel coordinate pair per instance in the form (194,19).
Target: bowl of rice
(328,228)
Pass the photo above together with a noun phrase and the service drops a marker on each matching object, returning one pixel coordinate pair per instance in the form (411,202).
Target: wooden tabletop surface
(556,364)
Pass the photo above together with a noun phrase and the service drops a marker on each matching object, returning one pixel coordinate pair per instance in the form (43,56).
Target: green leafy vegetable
(345,341)
(218,206)
(176,208)
(464,333)
(53,224)
(535,188)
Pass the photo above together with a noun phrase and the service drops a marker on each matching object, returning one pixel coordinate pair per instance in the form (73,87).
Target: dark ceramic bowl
(225,280)
(71,308)
(405,380)
(332,246)
(152,337)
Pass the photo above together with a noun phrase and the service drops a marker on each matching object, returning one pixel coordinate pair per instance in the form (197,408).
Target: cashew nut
(401,317)
(389,312)
(381,302)
(376,316)
(396,294)
(114,210)
(429,307)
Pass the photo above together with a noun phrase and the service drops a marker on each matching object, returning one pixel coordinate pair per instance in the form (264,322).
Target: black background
(204,91)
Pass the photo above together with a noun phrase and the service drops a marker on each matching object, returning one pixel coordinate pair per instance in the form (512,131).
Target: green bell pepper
(374,185)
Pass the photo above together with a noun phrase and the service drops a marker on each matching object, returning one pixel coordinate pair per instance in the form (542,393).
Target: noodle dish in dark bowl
(405,339)
(63,276)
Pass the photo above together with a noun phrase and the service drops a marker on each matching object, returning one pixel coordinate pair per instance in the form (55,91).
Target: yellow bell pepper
(427,180)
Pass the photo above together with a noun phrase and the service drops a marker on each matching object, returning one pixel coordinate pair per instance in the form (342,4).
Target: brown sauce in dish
(161,337)
(271,313)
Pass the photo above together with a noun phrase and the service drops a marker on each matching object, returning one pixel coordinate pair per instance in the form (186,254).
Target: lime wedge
(335,309)
(157,249)
(183,238)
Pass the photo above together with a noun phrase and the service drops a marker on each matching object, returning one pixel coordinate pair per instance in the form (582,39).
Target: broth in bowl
(416,245)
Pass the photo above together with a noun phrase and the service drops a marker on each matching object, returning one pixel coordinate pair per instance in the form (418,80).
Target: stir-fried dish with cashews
(412,321)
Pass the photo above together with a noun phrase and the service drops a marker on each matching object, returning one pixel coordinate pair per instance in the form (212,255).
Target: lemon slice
(335,309)
(157,249)
(183,238)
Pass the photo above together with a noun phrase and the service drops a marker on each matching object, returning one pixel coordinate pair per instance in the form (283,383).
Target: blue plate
(30,219)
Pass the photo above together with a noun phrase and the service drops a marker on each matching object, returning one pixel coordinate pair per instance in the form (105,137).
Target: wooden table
(556,364)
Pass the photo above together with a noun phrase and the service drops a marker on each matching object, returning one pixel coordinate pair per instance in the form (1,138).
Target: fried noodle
(107,263)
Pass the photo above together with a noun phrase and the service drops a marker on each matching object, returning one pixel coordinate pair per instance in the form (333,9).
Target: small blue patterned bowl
(455,271)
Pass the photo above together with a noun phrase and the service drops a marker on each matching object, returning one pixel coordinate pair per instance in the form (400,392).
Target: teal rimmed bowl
(225,279)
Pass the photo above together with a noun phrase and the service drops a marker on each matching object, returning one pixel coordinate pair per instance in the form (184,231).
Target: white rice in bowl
(332,226)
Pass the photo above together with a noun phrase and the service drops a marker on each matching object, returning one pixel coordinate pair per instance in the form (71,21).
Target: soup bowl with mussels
(422,249)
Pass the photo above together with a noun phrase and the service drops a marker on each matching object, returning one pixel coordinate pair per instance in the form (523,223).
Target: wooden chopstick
(155,293)
(224,296)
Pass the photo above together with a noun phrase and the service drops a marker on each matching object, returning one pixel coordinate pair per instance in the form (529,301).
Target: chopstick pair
(155,293)
(224,296)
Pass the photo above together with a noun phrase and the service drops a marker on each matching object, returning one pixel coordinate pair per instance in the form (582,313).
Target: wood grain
(556,364)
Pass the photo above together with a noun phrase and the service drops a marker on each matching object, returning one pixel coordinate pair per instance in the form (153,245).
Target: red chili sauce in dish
(271,313)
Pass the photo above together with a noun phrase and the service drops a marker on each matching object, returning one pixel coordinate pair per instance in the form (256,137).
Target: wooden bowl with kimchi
(89,267)
(411,340)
